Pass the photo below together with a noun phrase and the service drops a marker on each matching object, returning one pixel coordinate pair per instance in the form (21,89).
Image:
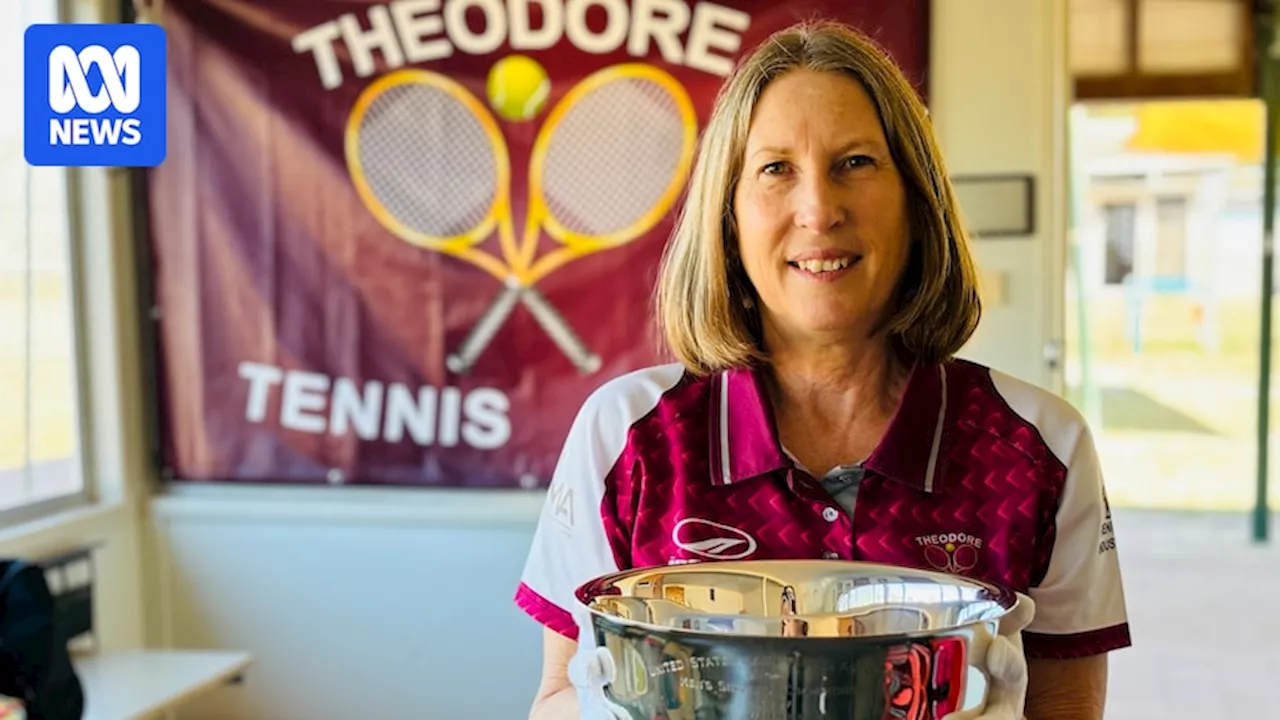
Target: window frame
(30,511)
(1163,243)
(1134,84)
(1107,209)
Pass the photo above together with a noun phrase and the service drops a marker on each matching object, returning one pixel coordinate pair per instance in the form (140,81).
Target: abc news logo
(94,95)
(69,89)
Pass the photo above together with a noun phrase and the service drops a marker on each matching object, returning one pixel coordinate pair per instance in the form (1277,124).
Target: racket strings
(427,160)
(613,156)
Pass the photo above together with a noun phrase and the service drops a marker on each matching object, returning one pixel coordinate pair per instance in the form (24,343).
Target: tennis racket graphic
(607,165)
(432,165)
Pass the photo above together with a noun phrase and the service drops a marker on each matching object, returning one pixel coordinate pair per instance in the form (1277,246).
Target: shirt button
(830,514)
(829,555)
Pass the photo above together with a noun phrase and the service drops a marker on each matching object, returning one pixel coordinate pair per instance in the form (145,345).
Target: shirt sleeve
(1080,605)
(580,535)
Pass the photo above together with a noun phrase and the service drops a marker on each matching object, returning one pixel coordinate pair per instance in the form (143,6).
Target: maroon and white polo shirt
(979,474)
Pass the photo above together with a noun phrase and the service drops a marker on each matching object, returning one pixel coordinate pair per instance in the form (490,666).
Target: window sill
(80,522)
(380,506)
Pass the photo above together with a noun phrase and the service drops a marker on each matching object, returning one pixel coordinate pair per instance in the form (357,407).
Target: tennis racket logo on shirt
(430,162)
(956,554)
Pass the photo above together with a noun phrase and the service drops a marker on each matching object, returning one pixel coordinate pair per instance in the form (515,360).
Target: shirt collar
(913,449)
(744,438)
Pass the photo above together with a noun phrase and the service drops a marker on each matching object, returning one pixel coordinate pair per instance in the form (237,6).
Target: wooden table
(129,685)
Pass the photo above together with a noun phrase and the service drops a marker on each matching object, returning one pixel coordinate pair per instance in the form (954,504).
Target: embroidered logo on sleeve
(561,503)
(1107,543)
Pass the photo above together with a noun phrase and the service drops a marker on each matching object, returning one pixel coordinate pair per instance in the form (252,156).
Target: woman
(815,292)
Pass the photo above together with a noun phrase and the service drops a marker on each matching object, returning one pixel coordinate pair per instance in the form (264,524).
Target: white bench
(141,684)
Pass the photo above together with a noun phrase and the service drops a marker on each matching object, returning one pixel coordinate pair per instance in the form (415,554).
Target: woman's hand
(590,671)
(1006,668)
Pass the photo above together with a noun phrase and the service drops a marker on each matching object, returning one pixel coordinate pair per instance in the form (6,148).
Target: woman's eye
(774,168)
(856,161)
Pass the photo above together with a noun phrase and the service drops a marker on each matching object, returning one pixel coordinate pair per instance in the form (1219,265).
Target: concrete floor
(1204,608)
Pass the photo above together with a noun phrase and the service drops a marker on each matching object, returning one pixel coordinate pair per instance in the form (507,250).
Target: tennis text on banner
(417,31)
(314,403)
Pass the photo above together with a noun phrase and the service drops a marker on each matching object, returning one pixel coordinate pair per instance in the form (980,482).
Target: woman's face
(820,210)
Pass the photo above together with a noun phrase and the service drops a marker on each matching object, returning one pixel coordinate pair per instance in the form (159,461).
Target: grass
(1178,425)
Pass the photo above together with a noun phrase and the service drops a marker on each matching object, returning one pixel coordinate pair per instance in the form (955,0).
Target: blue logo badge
(94,95)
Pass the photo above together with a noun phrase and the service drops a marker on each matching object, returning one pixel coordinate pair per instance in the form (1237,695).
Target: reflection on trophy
(794,640)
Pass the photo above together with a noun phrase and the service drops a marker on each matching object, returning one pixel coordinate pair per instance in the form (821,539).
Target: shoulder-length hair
(704,301)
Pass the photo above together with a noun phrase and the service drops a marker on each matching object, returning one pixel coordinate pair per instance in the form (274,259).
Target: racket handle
(483,331)
(559,331)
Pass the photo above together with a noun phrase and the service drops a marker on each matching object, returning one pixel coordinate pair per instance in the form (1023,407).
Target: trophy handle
(977,683)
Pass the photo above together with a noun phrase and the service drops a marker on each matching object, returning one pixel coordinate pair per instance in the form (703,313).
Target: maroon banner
(401,243)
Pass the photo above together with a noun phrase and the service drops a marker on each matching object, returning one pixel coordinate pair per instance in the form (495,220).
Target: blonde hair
(703,294)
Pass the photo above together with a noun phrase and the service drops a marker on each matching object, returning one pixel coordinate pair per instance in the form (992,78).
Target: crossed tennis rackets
(430,162)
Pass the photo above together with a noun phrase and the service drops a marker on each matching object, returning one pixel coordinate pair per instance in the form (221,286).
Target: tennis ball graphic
(518,87)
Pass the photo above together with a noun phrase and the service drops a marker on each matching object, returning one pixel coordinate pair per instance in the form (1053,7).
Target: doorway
(1164,297)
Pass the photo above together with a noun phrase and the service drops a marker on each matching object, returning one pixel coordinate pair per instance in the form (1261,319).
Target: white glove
(589,671)
(1006,668)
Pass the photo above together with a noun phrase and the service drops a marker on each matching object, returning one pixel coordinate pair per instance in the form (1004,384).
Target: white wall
(396,604)
(377,604)
(1000,92)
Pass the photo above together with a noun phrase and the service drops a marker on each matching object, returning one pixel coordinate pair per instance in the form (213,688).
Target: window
(39,427)
(1162,48)
(1119,220)
(1171,238)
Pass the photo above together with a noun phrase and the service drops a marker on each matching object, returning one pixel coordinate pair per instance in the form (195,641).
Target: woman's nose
(818,208)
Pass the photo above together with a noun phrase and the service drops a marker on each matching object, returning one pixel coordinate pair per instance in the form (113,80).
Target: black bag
(35,666)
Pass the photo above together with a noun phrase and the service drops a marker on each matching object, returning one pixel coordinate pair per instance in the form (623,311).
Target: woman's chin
(829,328)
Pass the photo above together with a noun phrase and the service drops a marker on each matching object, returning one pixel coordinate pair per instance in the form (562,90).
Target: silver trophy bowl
(793,640)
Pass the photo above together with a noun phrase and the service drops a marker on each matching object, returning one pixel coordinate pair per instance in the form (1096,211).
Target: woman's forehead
(806,106)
